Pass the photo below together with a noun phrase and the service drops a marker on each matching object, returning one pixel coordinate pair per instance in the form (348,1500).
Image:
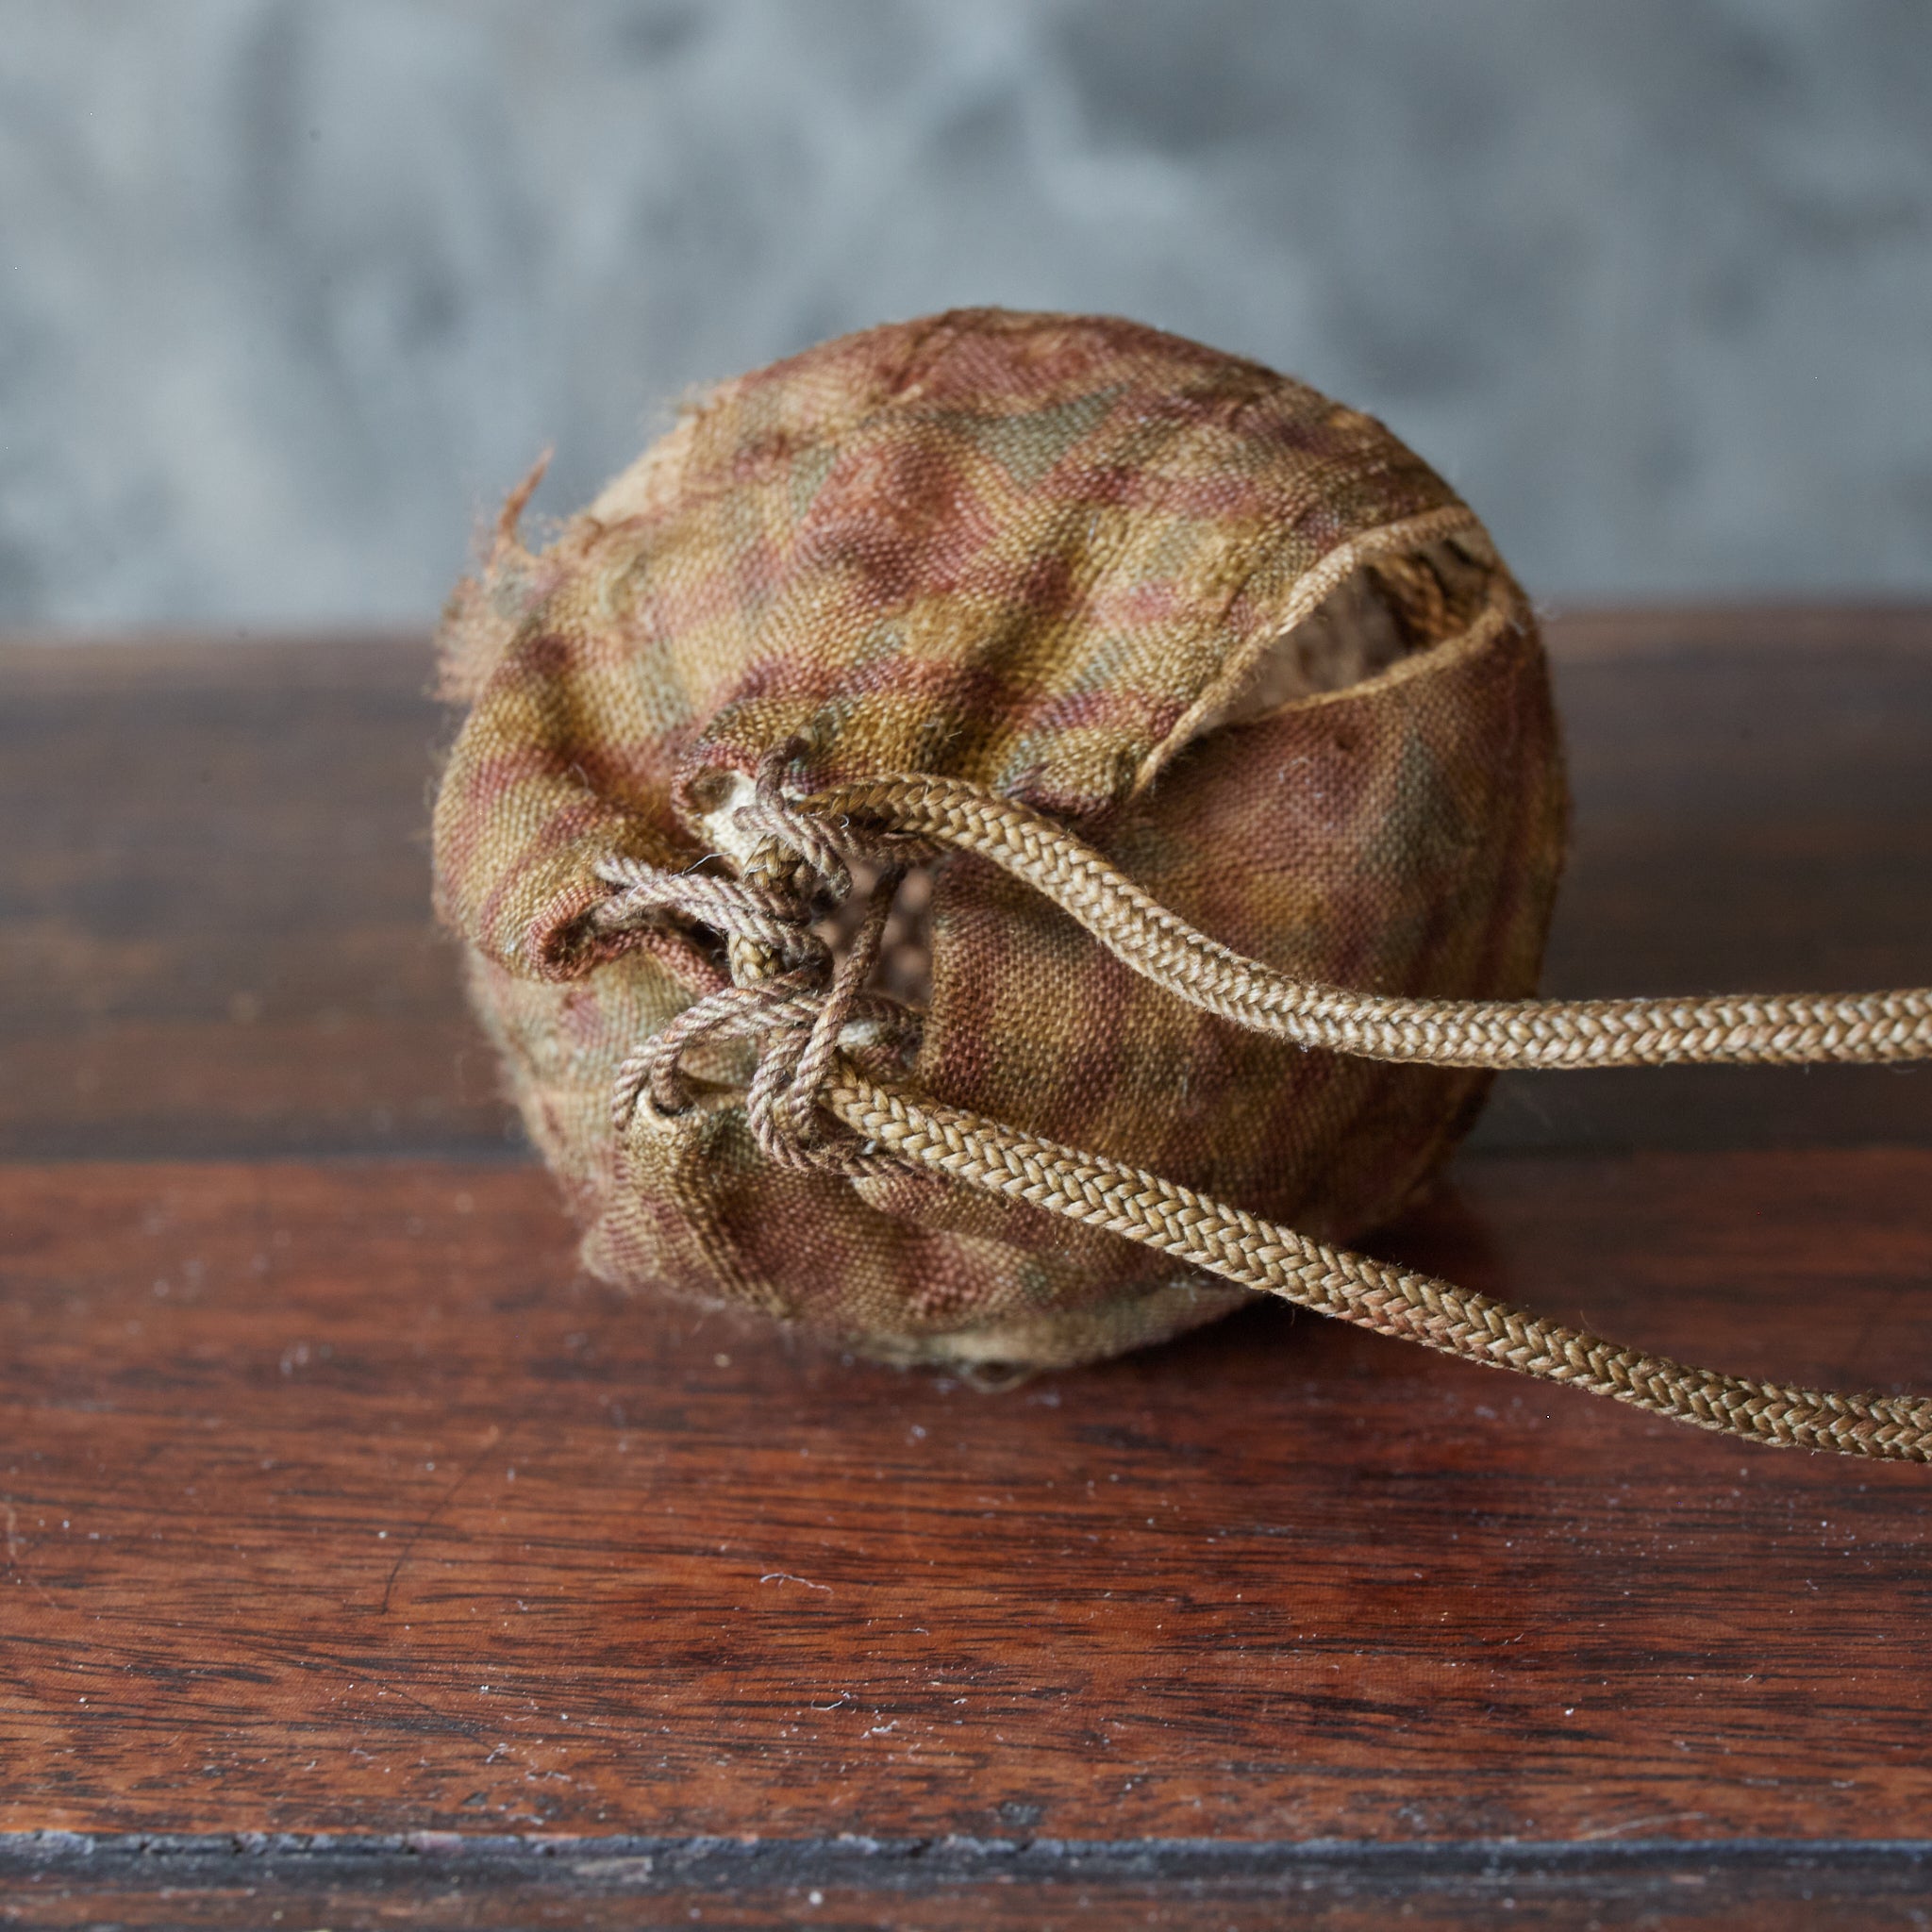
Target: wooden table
(365,1563)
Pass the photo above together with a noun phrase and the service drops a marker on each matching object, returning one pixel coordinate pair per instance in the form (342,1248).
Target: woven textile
(1250,647)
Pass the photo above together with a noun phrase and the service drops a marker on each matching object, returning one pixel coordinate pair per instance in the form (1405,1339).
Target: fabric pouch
(1003,835)
(1235,635)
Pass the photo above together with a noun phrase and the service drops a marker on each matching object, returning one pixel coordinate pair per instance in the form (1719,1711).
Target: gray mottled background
(290,290)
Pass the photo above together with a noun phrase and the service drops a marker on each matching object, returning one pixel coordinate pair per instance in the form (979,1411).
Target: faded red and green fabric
(1235,635)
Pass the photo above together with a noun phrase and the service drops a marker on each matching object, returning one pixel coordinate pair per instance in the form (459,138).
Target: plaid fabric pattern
(1067,558)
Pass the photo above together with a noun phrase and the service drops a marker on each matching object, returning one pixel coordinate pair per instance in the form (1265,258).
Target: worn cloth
(1250,647)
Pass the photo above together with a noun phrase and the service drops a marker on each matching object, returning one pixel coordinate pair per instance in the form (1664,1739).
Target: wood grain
(217,934)
(335,1500)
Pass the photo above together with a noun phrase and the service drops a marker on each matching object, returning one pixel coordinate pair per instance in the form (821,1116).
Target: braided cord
(1242,1248)
(813,1070)
(1783,1029)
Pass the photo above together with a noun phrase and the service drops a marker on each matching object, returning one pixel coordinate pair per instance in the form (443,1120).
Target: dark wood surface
(365,1563)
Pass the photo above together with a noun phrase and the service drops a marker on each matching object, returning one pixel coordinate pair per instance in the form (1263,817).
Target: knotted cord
(832,1049)
(786,988)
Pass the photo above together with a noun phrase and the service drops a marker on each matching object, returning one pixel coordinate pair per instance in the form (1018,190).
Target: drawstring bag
(1003,835)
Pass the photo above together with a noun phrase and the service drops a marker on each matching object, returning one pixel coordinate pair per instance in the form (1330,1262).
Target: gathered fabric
(982,796)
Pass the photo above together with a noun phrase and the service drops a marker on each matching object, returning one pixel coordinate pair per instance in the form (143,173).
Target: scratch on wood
(497,1438)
